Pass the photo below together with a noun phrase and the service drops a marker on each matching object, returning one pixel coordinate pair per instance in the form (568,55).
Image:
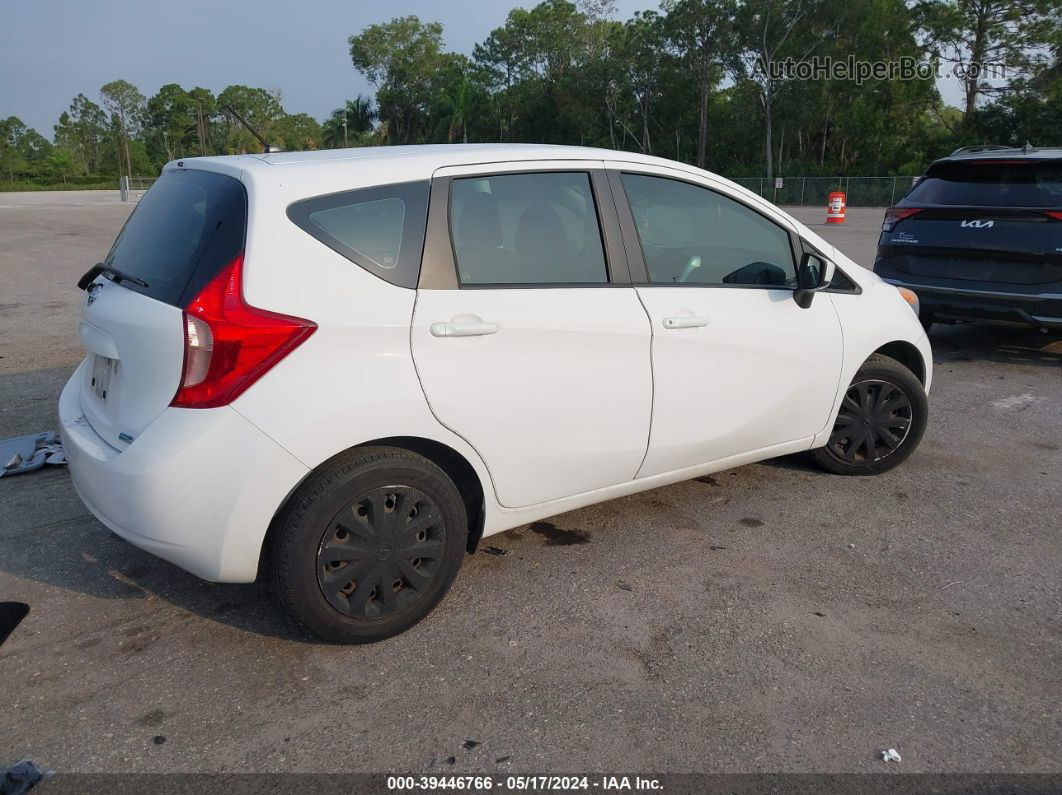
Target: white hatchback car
(345,368)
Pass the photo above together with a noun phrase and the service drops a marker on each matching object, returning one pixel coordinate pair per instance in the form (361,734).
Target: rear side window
(992,183)
(381,229)
(187,227)
(527,229)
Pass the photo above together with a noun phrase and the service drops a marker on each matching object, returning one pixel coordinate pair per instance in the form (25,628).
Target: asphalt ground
(770,618)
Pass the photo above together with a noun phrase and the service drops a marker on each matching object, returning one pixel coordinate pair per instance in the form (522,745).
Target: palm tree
(349,123)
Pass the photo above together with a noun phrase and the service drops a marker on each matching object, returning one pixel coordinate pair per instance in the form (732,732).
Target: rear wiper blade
(111,273)
(90,276)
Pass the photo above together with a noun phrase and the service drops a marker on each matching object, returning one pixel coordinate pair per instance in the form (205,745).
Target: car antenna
(267,147)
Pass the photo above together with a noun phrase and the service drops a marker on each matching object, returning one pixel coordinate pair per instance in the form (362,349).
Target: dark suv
(979,237)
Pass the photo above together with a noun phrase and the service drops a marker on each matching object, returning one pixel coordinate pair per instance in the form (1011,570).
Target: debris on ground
(27,453)
(468,745)
(495,551)
(19,778)
(892,755)
(625,586)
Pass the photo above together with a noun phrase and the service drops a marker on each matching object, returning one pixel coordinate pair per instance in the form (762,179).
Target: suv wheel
(880,423)
(369,544)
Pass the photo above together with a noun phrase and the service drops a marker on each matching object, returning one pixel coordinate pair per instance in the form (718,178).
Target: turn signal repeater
(228,344)
(910,297)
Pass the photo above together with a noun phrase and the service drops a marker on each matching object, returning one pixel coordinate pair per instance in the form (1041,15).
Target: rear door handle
(685,321)
(463,329)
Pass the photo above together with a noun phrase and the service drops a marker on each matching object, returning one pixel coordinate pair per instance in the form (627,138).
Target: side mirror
(813,275)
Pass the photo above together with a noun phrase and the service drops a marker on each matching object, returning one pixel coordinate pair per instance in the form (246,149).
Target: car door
(738,366)
(529,340)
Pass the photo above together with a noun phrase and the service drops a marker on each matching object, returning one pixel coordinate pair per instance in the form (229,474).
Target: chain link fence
(812,191)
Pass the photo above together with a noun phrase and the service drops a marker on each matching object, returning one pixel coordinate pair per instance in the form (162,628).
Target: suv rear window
(988,183)
(186,227)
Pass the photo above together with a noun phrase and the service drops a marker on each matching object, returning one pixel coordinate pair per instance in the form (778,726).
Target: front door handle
(685,321)
(456,328)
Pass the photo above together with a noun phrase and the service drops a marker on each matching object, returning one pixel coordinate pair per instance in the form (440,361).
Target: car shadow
(974,341)
(79,554)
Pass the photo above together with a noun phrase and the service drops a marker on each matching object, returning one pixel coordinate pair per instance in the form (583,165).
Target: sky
(50,50)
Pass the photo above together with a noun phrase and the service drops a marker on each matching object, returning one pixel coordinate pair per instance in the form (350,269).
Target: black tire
(883,400)
(402,522)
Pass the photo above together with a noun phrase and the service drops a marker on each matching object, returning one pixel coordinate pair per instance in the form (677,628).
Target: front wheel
(369,545)
(880,423)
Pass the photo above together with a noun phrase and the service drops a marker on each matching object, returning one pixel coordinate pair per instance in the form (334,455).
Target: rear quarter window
(380,229)
(184,230)
(1022,183)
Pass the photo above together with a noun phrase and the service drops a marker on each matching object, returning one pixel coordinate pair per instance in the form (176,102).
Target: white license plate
(102,370)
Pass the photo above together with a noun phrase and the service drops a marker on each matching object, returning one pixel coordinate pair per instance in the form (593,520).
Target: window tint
(186,227)
(381,229)
(991,183)
(526,229)
(692,235)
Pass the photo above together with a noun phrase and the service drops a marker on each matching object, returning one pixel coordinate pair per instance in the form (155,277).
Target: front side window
(381,229)
(692,235)
(526,229)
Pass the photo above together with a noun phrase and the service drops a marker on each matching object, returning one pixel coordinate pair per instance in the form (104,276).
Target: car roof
(414,161)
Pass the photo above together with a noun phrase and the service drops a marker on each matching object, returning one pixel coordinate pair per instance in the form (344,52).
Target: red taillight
(228,345)
(1056,215)
(894,215)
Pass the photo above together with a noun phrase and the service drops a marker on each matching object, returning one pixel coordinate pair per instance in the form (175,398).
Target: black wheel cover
(381,552)
(873,422)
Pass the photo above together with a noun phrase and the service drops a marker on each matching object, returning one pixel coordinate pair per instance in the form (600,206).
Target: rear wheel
(369,545)
(880,423)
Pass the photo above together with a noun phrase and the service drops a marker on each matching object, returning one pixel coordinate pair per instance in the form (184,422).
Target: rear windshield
(1022,183)
(183,231)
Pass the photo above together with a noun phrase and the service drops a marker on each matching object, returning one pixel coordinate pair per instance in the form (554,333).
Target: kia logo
(979,224)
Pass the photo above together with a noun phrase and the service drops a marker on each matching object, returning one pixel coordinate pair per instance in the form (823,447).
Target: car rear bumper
(1033,309)
(198,487)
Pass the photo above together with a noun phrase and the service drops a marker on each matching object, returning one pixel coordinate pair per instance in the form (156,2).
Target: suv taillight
(1052,214)
(228,344)
(894,215)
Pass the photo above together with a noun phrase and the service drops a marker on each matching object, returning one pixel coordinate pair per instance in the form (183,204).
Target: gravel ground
(770,618)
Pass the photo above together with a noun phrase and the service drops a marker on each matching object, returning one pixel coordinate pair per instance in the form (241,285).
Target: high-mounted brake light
(228,344)
(894,215)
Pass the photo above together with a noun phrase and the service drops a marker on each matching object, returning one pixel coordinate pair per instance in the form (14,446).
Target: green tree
(260,108)
(126,105)
(401,58)
(352,122)
(768,34)
(296,132)
(12,131)
(975,35)
(82,131)
(703,32)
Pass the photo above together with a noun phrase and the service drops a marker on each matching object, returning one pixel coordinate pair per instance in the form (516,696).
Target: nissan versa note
(345,368)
